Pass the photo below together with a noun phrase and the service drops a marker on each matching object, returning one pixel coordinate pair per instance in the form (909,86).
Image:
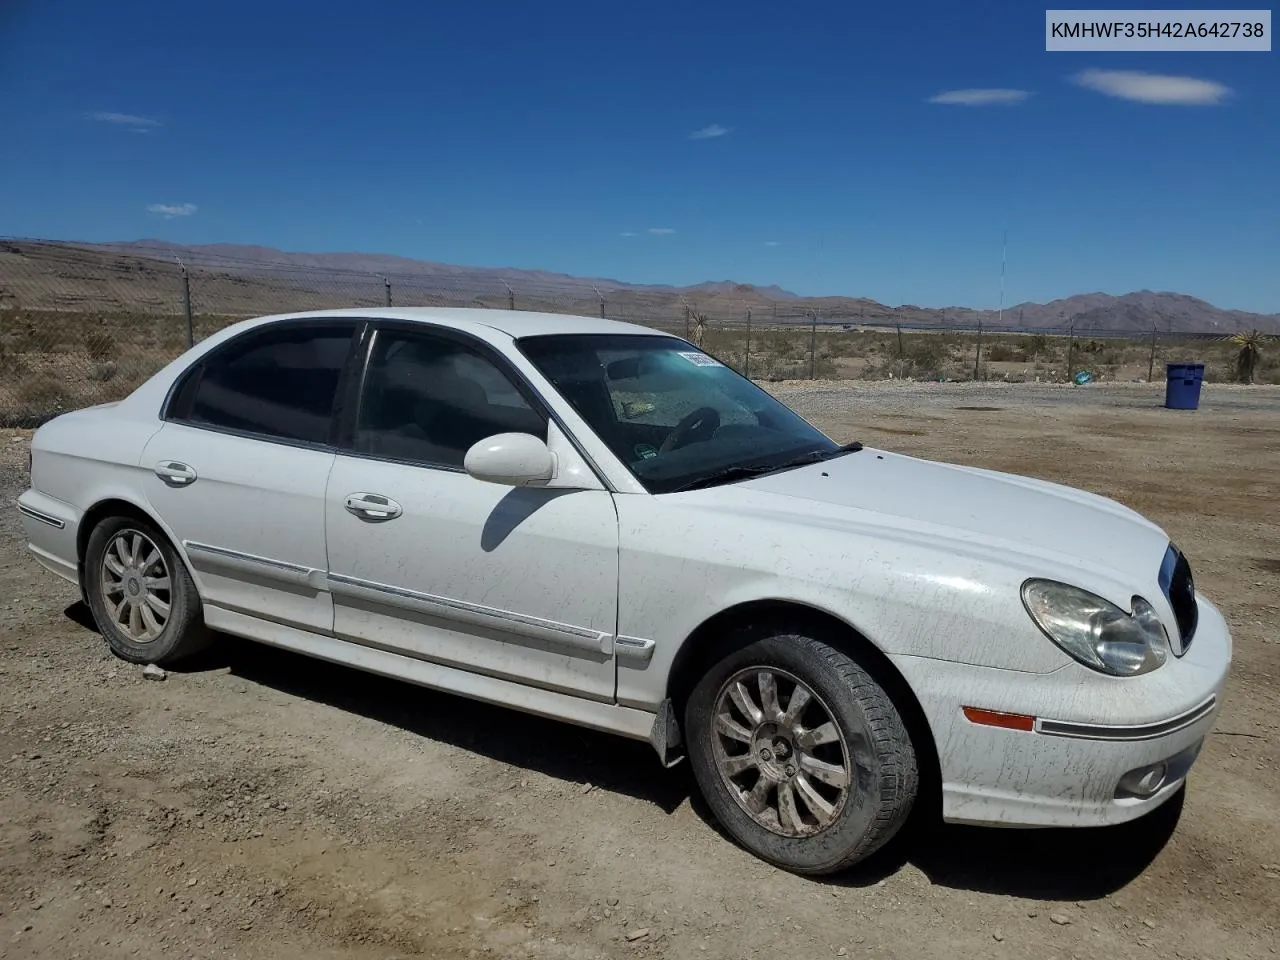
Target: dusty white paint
(572,598)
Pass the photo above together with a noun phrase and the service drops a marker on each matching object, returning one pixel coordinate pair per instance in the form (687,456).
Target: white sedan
(600,523)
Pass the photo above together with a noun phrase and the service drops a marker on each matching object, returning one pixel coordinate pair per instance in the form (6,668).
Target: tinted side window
(279,384)
(429,399)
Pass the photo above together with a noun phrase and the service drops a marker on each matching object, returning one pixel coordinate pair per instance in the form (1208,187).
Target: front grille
(1179,589)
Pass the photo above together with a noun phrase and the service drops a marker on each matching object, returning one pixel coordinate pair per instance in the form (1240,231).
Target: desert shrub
(11,363)
(40,394)
(102,372)
(926,352)
(1035,345)
(101,346)
(1000,352)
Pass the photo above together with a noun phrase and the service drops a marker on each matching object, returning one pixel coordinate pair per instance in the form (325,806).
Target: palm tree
(699,329)
(1250,343)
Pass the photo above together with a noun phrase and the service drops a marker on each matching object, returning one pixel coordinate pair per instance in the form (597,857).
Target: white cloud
(708,133)
(1153,87)
(772,243)
(661,231)
(171,210)
(129,121)
(979,97)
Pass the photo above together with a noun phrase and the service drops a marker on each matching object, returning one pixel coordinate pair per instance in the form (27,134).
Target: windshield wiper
(729,474)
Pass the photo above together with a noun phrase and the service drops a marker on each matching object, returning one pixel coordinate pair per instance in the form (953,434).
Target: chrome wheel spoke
(156,583)
(800,698)
(135,550)
(151,624)
(726,725)
(828,773)
(742,698)
(732,766)
(152,559)
(808,739)
(155,605)
(769,695)
(135,620)
(788,814)
(122,552)
(758,798)
(113,565)
(821,808)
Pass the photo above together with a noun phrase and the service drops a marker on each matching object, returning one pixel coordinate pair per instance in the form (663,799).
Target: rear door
(239,469)
(519,583)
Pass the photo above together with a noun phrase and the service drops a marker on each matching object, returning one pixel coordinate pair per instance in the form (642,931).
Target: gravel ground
(259,804)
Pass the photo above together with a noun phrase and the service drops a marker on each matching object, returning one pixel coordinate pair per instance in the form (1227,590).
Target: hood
(967,505)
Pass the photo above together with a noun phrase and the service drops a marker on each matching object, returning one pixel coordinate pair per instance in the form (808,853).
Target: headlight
(1095,631)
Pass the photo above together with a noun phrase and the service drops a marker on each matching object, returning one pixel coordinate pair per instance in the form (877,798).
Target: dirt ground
(263,805)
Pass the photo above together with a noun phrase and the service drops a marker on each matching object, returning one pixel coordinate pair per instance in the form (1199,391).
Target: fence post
(387,282)
(746,366)
(1151,363)
(186,305)
(1071,352)
(813,341)
(977,353)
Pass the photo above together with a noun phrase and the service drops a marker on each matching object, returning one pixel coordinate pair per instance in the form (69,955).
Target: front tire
(800,753)
(141,596)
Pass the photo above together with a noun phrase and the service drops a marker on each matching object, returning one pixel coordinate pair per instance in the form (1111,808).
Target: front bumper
(1090,732)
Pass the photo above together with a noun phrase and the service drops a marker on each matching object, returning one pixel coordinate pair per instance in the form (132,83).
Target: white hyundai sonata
(600,523)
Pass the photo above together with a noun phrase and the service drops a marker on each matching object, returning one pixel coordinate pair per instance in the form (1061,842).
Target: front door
(424,560)
(239,470)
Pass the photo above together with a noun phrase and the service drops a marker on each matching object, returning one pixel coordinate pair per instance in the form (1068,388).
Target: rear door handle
(373,507)
(175,474)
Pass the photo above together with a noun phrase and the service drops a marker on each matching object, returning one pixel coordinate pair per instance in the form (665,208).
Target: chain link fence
(81,325)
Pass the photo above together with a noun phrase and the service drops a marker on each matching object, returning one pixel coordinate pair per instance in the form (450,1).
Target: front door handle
(175,474)
(373,507)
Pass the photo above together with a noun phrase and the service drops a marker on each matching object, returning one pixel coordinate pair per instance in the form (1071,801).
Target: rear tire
(142,598)
(800,754)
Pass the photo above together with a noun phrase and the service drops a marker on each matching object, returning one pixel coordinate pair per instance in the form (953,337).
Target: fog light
(1142,782)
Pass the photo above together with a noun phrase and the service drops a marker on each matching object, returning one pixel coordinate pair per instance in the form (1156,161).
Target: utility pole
(813,340)
(977,353)
(511,296)
(746,367)
(186,304)
(1151,363)
(387,282)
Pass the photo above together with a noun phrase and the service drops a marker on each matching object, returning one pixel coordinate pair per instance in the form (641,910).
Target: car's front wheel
(141,596)
(801,755)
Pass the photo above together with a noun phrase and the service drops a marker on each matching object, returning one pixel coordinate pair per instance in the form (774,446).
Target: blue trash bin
(1182,385)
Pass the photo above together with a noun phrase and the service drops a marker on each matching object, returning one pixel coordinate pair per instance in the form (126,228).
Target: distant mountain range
(239,279)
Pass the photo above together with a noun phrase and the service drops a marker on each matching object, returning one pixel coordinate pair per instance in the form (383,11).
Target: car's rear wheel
(142,598)
(801,755)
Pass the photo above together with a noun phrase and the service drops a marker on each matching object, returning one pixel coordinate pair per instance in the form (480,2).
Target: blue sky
(798,144)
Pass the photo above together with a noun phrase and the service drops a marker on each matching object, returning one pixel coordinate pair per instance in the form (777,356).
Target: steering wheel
(692,428)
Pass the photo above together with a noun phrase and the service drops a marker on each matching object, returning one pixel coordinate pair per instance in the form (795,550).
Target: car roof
(514,323)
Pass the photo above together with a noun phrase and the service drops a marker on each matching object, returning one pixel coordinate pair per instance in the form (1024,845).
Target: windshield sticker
(700,359)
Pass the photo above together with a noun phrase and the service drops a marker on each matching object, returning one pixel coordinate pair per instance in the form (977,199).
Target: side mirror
(512,459)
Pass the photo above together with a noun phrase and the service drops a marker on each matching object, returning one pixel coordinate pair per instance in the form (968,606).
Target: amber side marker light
(994,718)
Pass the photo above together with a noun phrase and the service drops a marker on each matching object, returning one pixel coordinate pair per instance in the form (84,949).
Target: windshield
(675,416)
